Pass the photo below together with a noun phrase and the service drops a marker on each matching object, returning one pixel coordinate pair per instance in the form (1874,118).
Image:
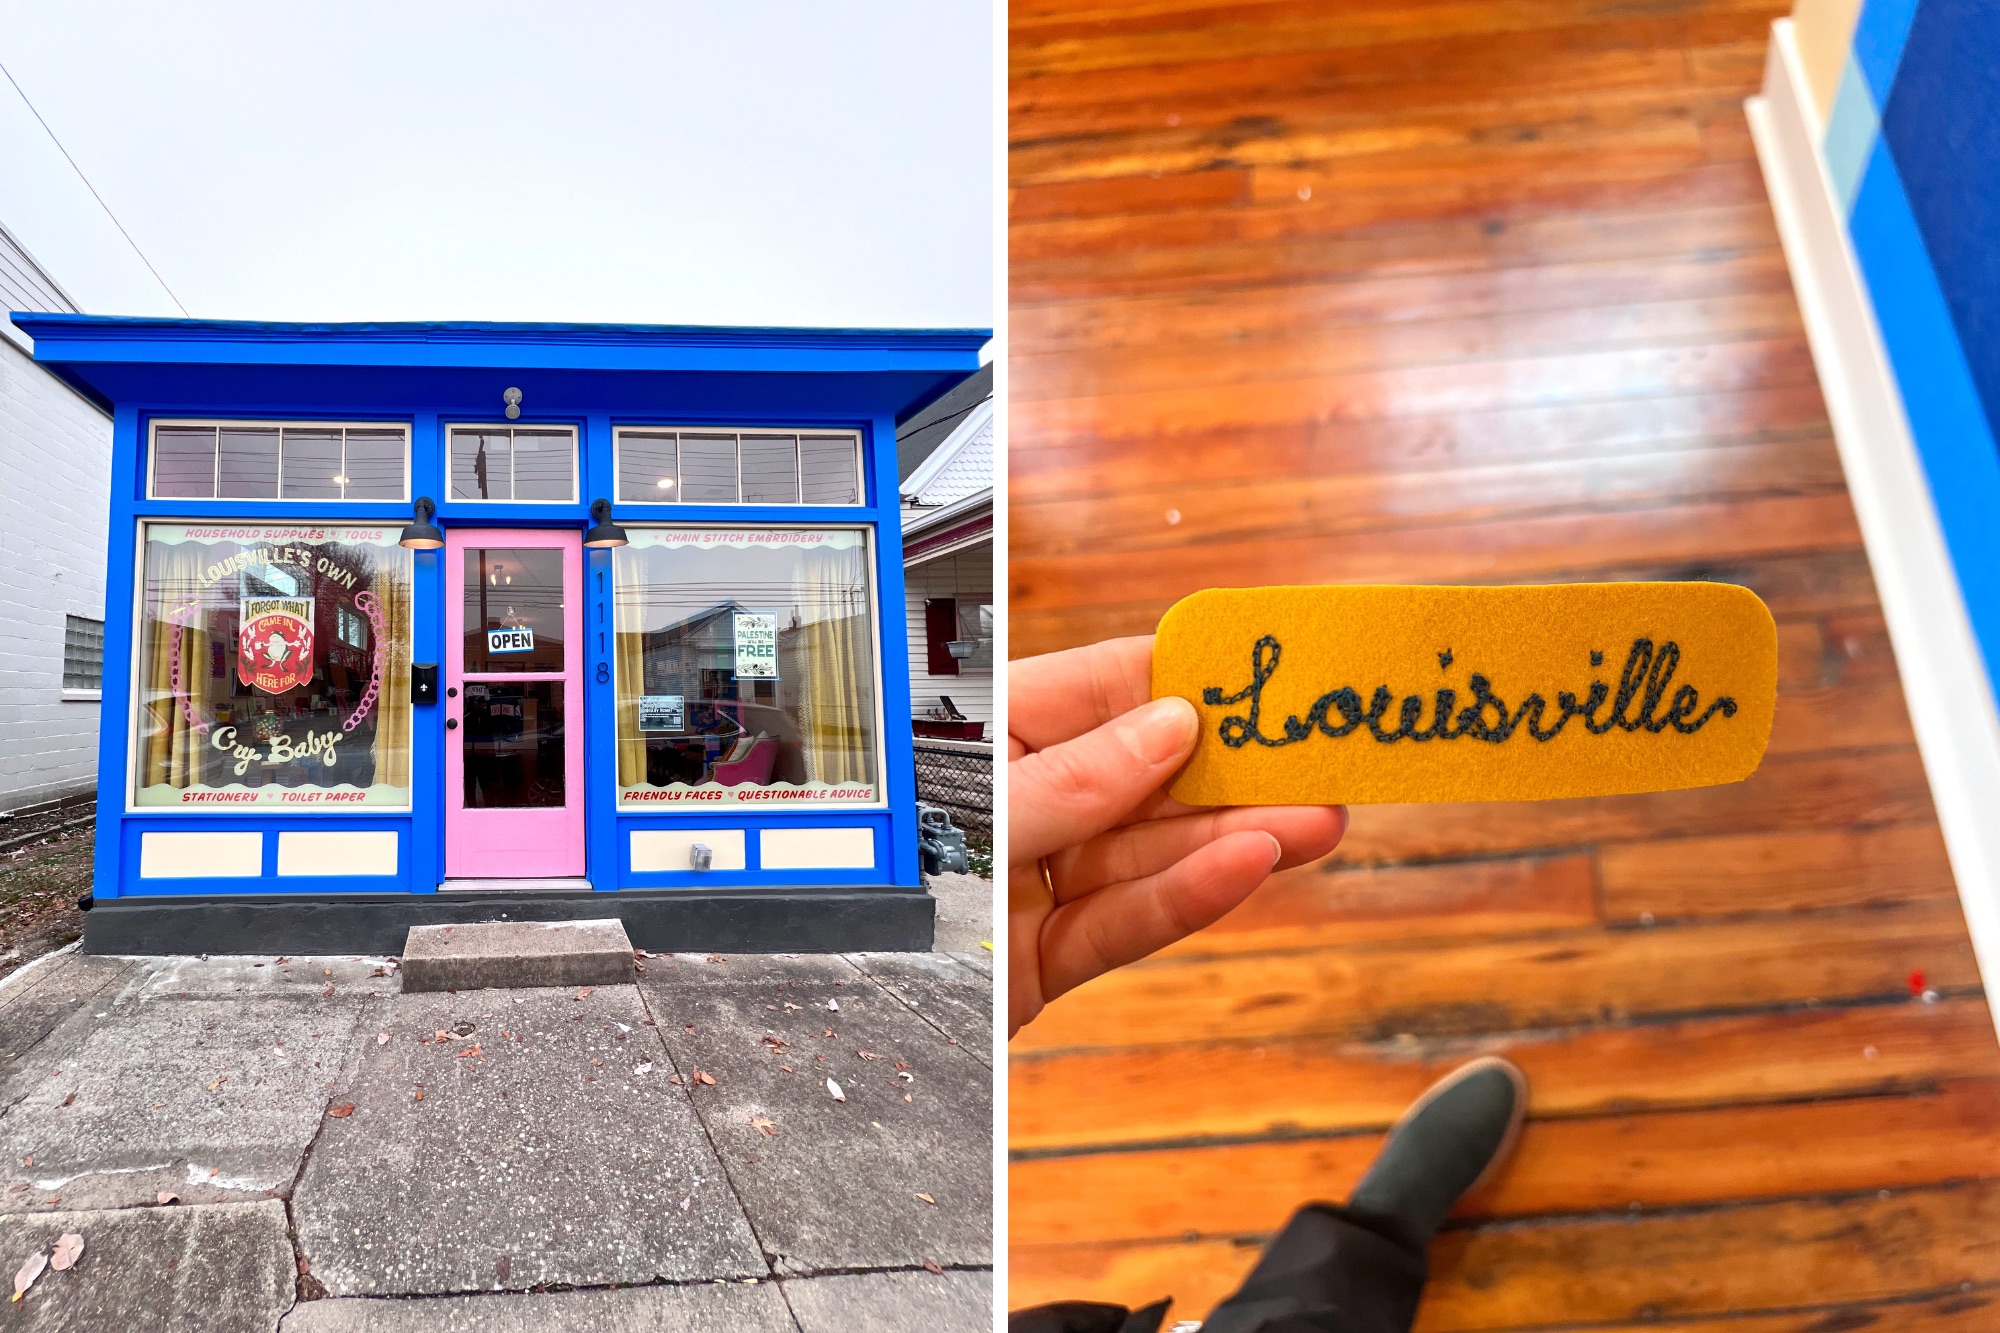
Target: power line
(93,192)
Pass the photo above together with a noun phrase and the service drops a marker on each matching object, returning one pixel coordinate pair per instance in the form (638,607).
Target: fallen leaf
(701,1076)
(53,1198)
(986,945)
(688,1028)
(68,1249)
(906,1096)
(868,1055)
(166,1198)
(599,1063)
(928,1199)
(67,1100)
(472,1050)
(216,1172)
(902,1065)
(786,1068)
(419,1097)
(381,1039)
(284,960)
(834,1089)
(342,1111)
(764,1123)
(674,1079)
(37,1263)
(585,991)
(829,1032)
(218,1083)
(930,1267)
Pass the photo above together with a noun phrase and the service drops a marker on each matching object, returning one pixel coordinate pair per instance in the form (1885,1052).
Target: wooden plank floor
(1443,290)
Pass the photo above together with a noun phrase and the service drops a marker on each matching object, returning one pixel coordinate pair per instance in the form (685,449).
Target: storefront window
(746,667)
(273,667)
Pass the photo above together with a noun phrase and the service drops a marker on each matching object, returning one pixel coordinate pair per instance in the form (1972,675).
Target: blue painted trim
(114,717)
(268,827)
(1880,33)
(1954,439)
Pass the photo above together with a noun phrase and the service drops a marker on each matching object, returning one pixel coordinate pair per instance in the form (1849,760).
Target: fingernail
(1277,848)
(1161,729)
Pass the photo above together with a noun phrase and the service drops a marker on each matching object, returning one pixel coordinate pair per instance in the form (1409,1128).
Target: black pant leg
(1087,1317)
(1331,1270)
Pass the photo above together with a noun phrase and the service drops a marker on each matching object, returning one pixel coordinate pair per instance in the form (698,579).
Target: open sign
(510,640)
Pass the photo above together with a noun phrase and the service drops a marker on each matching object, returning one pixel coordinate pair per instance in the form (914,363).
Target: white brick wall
(55,488)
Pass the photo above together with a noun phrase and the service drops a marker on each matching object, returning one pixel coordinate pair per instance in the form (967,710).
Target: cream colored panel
(817,848)
(671,849)
(350,852)
(1825,31)
(201,855)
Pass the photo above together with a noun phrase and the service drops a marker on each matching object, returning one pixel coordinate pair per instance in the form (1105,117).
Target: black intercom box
(423,682)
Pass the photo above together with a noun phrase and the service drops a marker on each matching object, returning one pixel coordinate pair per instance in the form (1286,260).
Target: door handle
(451,724)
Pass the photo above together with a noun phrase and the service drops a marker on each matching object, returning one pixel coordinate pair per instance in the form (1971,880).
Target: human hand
(1130,869)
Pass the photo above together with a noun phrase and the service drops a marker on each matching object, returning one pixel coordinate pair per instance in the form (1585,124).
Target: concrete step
(481,954)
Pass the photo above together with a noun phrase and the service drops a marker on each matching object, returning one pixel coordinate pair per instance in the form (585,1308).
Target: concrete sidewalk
(342,1156)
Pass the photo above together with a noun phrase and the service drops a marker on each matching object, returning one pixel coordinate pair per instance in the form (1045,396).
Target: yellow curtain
(837,707)
(629,583)
(171,749)
(390,583)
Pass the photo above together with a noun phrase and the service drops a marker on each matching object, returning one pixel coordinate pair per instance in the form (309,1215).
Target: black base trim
(800,920)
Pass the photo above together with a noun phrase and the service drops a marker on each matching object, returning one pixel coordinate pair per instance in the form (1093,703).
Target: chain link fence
(958,775)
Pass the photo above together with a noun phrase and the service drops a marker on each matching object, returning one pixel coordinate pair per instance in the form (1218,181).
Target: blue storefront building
(433,622)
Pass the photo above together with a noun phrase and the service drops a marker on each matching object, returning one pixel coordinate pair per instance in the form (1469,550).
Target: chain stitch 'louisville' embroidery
(1646,677)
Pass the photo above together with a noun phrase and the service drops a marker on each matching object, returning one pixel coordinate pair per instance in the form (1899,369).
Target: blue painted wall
(593,378)
(1913,146)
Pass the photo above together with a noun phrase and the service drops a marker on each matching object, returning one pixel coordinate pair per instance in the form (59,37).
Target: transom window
(260,460)
(727,467)
(510,463)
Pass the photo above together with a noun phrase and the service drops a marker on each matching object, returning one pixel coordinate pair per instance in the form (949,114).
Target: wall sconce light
(960,649)
(513,400)
(603,532)
(423,535)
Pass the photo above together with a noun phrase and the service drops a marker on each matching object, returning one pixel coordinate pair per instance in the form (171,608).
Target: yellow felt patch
(1353,695)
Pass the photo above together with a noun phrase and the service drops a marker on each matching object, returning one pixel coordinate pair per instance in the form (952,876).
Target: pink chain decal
(365,601)
(179,619)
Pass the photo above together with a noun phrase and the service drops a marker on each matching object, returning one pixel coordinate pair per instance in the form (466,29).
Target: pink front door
(513,704)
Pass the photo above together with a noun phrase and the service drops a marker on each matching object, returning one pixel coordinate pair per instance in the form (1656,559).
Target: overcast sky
(750,162)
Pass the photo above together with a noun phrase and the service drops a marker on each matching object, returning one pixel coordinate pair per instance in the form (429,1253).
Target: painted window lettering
(746,669)
(273,667)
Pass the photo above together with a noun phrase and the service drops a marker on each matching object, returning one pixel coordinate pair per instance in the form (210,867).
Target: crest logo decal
(274,650)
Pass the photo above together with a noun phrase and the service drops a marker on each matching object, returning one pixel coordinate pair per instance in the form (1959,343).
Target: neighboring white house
(945,458)
(55,477)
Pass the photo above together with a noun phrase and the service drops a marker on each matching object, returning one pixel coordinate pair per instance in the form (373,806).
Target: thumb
(1062,795)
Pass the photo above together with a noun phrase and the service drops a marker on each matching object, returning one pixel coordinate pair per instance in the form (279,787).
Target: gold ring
(1047,878)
